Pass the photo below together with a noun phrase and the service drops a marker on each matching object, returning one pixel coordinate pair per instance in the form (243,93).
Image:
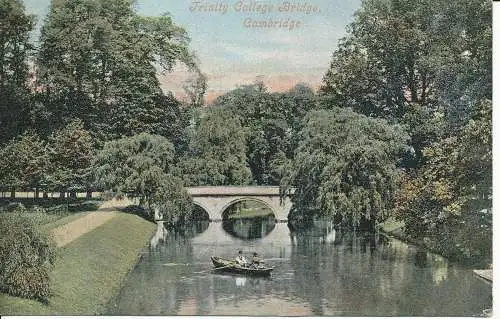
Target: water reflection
(250,228)
(316,273)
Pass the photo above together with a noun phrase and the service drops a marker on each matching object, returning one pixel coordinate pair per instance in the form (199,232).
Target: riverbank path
(65,234)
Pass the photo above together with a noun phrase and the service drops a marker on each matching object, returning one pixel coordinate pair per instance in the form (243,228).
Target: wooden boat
(233,267)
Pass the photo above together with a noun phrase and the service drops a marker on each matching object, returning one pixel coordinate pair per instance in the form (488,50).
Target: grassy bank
(88,272)
(250,213)
(435,245)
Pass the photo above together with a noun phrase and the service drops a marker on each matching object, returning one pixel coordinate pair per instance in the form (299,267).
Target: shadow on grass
(138,211)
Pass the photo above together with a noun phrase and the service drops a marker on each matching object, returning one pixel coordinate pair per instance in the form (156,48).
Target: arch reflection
(248,219)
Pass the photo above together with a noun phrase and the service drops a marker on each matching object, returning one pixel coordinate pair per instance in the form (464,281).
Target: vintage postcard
(246,158)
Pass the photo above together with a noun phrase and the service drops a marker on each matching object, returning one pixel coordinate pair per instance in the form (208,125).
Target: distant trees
(345,167)
(217,152)
(60,164)
(71,153)
(272,121)
(24,163)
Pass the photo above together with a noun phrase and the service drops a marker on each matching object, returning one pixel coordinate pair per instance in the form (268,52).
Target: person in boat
(241,259)
(257,261)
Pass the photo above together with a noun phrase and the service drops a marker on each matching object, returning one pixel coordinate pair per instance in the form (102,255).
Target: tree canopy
(15,50)
(217,152)
(142,167)
(93,53)
(345,165)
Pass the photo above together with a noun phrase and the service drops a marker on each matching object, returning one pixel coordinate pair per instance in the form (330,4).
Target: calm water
(318,273)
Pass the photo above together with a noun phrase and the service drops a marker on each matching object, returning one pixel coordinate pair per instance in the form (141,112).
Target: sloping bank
(395,229)
(89,270)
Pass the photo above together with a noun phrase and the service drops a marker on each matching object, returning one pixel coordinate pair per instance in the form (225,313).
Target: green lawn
(251,212)
(62,221)
(89,271)
(391,225)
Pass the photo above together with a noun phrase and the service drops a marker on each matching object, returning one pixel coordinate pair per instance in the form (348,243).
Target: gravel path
(65,234)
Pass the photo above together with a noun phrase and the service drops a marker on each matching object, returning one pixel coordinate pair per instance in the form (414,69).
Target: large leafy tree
(345,166)
(217,152)
(72,151)
(24,163)
(15,49)
(423,56)
(98,62)
(142,167)
(446,200)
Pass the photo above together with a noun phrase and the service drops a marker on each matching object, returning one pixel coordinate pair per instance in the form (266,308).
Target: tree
(26,257)
(345,166)
(107,76)
(24,163)
(142,167)
(272,121)
(72,151)
(195,88)
(447,202)
(15,49)
(404,56)
(217,154)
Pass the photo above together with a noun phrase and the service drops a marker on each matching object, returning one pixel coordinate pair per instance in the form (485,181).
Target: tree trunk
(62,194)
(37,193)
(45,194)
(12,192)
(89,195)
(72,194)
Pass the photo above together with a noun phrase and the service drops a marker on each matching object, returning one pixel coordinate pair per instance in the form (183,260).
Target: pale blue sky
(232,54)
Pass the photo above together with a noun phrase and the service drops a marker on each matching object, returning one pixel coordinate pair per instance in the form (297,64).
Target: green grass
(62,221)
(251,212)
(391,225)
(89,271)
(38,218)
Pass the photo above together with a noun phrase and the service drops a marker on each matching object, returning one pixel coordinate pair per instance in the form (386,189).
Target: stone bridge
(216,199)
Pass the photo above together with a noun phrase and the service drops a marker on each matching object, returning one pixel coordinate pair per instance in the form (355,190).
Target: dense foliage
(72,150)
(15,27)
(272,122)
(217,153)
(142,167)
(449,200)
(401,125)
(24,162)
(345,166)
(26,256)
(92,54)
(427,66)
(400,55)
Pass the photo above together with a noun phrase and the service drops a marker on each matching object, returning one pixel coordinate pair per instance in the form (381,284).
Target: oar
(217,268)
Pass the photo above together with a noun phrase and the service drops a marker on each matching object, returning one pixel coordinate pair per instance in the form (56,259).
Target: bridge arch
(216,199)
(246,198)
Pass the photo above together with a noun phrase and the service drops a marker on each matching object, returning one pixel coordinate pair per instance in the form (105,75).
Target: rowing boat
(234,267)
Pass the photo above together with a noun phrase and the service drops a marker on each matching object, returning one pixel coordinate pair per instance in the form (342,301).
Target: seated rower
(257,261)
(241,260)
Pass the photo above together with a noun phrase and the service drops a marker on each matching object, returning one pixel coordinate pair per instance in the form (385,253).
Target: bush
(26,257)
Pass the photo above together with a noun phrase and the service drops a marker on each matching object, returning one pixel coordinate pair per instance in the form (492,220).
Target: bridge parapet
(234,190)
(215,199)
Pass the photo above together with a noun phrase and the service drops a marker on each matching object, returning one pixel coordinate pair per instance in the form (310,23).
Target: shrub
(26,256)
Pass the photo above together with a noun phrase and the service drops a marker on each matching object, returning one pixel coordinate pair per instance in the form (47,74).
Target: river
(323,273)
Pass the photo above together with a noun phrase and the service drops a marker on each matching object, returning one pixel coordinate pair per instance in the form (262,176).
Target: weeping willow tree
(142,167)
(345,166)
